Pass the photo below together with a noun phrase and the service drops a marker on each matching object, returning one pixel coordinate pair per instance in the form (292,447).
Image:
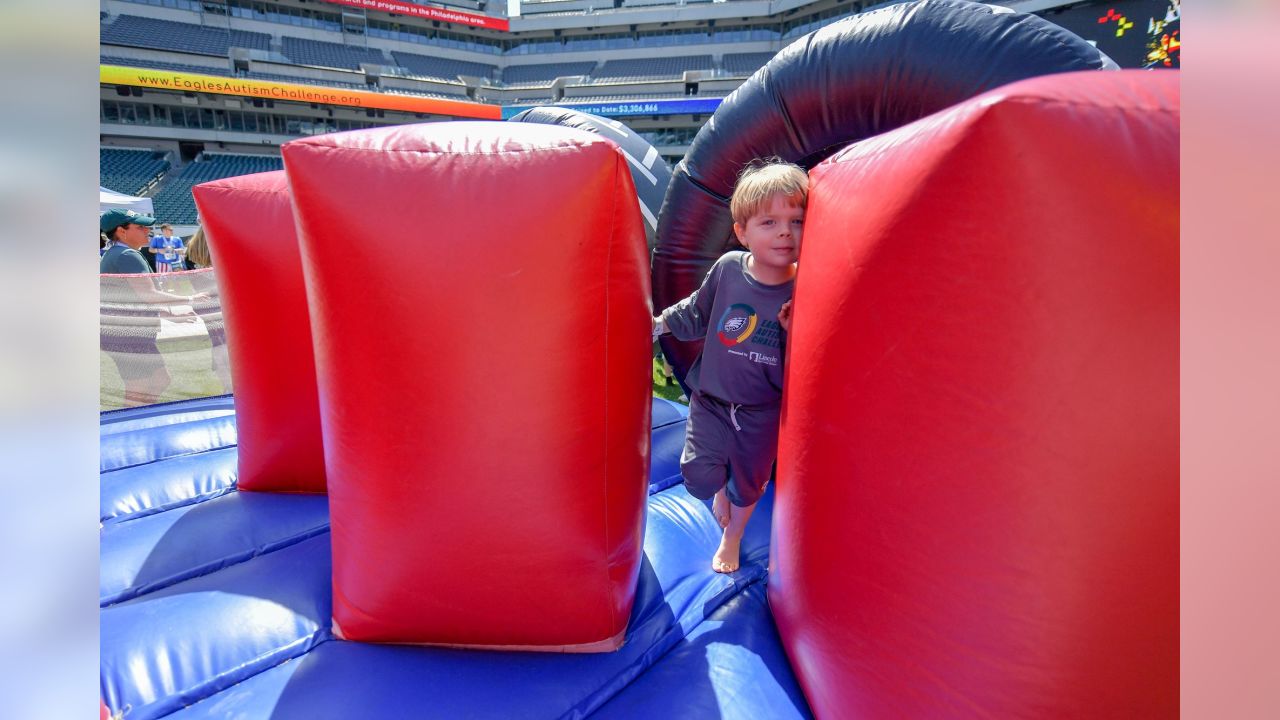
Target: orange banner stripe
(294,92)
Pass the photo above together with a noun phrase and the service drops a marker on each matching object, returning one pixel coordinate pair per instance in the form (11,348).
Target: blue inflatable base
(216,604)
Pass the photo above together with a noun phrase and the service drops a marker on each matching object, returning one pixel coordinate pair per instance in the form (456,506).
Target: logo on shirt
(737,324)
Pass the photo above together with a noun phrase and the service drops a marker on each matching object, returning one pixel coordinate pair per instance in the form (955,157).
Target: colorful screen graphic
(1134,33)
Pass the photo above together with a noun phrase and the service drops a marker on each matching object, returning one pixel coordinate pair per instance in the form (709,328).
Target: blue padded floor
(217,604)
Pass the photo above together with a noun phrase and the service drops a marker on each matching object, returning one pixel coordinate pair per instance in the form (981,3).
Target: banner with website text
(429,12)
(628,108)
(293,92)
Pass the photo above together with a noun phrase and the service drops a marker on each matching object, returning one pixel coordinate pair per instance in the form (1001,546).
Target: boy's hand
(784,316)
(658,328)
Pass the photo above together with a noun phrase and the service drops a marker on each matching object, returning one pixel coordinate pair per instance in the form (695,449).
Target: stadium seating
(624,98)
(744,64)
(327,54)
(306,18)
(162,65)
(135,31)
(174,202)
(612,81)
(434,38)
(441,68)
(461,94)
(752,34)
(129,171)
(543,74)
(531,100)
(826,19)
(665,39)
(536,45)
(614,71)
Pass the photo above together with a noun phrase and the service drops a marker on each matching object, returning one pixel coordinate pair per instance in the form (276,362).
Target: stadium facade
(199,90)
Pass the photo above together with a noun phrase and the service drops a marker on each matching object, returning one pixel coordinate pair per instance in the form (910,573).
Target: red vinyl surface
(977,510)
(480,300)
(248,222)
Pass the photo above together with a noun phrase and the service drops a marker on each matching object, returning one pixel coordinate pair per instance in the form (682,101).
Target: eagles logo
(737,324)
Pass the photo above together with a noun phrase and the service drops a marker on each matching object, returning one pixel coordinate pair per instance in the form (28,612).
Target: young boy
(743,310)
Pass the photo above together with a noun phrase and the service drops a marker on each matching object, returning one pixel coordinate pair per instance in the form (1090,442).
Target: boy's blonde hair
(761,180)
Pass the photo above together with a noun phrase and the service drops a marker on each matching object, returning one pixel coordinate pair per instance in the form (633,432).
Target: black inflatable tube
(850,80)
(649,171)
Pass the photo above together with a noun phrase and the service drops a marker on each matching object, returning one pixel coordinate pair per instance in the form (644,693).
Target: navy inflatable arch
(859,77)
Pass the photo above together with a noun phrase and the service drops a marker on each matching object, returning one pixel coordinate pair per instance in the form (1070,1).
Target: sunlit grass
(664,387)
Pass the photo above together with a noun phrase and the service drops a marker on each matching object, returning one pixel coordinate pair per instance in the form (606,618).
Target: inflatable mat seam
(604,436)
(171,457)
(209,568)
(157,509)
(134,410)
(217,684)
(647,661)
(664,484)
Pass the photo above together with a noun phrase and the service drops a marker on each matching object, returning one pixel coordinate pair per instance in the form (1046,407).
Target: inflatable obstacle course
(240,627)
(977,480)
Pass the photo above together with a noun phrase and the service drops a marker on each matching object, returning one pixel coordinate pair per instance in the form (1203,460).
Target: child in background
(743,310)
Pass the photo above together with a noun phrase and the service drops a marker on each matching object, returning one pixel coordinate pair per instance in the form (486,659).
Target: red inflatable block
(248,222)
(480,304)
(977,510)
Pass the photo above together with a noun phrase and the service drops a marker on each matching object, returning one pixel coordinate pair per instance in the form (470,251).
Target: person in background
(136,355)
(126,234)
(134,349)
(169,250)
(198,251)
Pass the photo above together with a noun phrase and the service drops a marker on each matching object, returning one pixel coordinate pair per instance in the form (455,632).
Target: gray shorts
(729,446)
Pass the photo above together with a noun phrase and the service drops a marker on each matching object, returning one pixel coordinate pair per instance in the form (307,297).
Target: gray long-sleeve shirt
(741,361)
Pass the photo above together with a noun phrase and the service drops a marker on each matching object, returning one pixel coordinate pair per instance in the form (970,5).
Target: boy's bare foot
(726,558)
(720,508)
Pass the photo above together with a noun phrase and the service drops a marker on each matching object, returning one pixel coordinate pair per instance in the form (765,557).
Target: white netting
(162,339)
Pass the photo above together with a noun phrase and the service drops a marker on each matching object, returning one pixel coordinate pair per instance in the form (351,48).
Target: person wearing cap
(135,348)
(127,232)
